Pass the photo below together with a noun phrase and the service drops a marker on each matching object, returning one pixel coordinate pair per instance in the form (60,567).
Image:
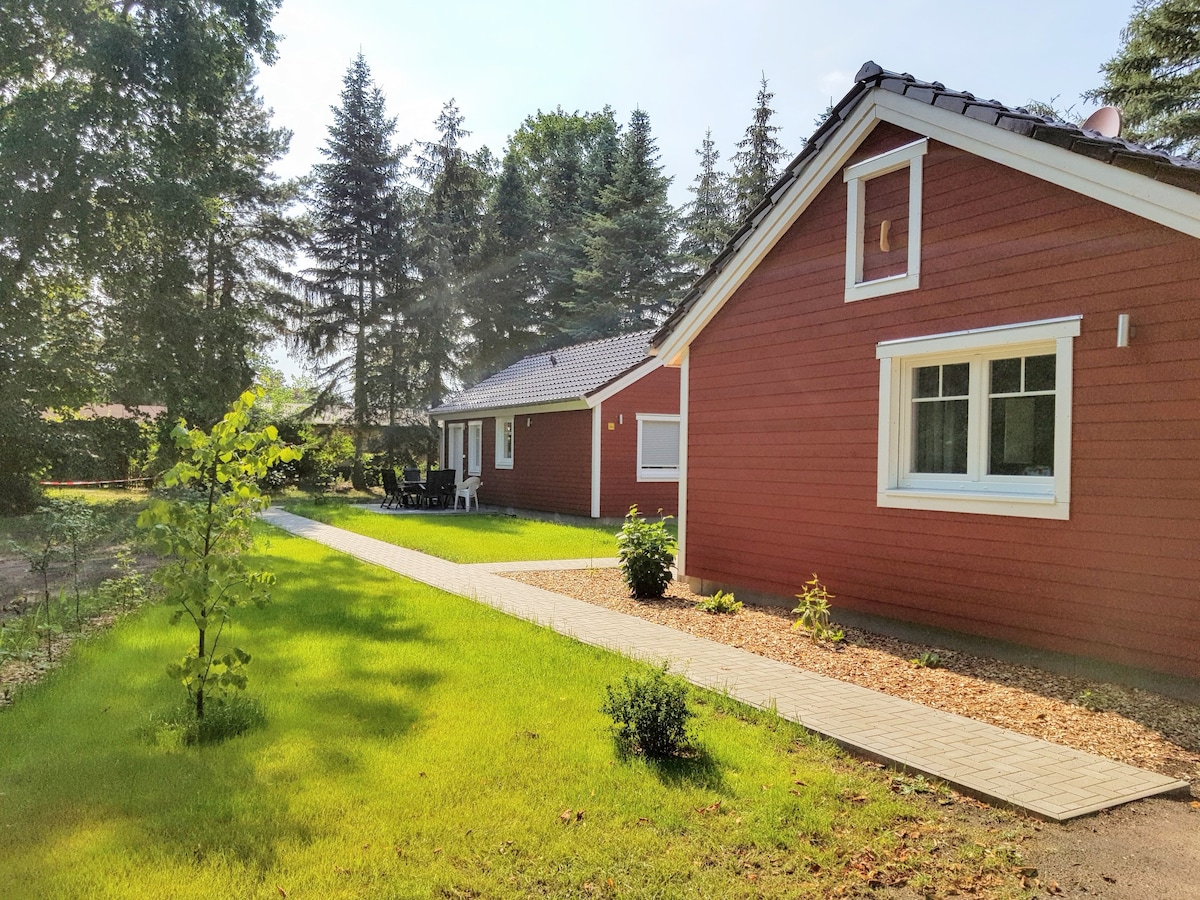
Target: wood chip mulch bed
(1135,726)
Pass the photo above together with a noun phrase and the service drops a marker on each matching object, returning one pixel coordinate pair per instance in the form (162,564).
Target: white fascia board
(638,372)
(506,411)
(818,172)
(1165,204)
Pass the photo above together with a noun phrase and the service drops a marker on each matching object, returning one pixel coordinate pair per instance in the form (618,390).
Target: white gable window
(658,447)
(474,448)
(883,223)
(978,421)
(505,441)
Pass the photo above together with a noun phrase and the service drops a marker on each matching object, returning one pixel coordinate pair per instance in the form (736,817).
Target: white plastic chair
(468,491)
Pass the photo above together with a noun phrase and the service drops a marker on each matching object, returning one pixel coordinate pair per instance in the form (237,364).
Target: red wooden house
(952,365)
(586,430)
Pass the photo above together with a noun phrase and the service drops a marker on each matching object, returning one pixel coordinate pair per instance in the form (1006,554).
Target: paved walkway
(1050,781)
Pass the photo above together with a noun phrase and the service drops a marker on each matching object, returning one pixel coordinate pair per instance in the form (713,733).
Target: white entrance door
(454,450)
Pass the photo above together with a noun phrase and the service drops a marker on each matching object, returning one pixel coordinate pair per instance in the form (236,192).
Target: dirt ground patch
(1148,849)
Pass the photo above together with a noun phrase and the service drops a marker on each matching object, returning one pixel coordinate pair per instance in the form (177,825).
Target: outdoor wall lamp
(1124,330)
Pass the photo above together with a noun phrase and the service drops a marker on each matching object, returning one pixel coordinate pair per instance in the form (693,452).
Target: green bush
(646,550)
(814,612)
(650,715)
(720,602)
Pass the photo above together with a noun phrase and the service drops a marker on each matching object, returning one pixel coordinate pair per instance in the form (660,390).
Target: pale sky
(690,65)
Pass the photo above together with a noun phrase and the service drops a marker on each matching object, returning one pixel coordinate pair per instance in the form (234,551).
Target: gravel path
(1135,727)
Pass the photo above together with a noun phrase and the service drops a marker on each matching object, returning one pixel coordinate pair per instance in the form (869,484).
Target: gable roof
(1136,178)
(567,374)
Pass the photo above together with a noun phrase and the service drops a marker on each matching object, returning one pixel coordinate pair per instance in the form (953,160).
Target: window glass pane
(940,437)
(956,380)
(1006,376)
(1022,436)
(927,381)
(1039,373)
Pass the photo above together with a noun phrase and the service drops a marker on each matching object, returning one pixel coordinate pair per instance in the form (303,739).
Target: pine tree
(447,242)
(756,164)
(1155,77)
(631,269)
(503,325)
(707,224)
(353,198)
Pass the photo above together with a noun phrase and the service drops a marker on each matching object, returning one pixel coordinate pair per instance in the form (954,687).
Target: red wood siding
(552,463)
(657,392)
(886,198)
(785,394)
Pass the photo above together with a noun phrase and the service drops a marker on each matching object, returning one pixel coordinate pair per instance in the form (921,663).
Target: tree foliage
(756,164)
(1155,77)
(631,271)
(131,150)
(707,224)
(205,529)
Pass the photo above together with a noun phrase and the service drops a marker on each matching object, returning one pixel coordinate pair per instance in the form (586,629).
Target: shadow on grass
(696,768)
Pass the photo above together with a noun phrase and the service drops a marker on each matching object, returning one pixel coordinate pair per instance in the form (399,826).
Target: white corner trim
(597,431)
(681,518)
(1165,204)
(631,376)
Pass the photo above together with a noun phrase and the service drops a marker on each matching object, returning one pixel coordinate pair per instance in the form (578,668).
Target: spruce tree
(503,325)
(354,195)
(756,163)
(707,224)
(447,242)
(631,270)
(1154,79)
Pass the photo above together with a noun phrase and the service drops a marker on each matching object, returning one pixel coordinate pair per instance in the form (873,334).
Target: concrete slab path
(1050,781)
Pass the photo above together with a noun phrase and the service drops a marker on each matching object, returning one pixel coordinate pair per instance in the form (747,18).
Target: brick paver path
(1054,782)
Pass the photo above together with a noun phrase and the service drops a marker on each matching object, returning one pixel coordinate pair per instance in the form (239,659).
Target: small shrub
(720,602)
(650,714)
(814,612)
(1093,701)
(227,718)
(646,550)
(928,659)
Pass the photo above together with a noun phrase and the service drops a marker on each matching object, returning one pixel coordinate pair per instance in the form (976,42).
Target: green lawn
(421,745)
(469,538)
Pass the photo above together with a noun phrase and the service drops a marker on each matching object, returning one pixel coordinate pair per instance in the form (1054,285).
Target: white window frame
(504,460)
(654,473)
(475,447)
(974,492)
(856,177)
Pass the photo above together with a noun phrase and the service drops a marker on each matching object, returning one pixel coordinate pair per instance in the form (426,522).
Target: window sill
(504,464)
(1029,506)
(672,475)
(892,284)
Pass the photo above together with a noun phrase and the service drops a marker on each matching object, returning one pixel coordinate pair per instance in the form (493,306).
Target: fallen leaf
(282,892)
(565,816)
(579,816)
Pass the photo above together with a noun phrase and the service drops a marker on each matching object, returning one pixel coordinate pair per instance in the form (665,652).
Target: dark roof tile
(569,373)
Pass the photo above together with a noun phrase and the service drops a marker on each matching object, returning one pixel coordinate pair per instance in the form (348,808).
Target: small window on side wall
(658,447)
(505,442)
(883,223)
(474,448)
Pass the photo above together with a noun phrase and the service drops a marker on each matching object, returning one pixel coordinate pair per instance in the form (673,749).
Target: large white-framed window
(883,222)
(505,442)
(657,447)
(475,448)
(978,421)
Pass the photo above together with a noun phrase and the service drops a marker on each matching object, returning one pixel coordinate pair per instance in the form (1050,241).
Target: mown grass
(420,745)
(469,538)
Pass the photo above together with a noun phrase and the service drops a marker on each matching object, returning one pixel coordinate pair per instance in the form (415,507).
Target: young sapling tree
(205,528)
